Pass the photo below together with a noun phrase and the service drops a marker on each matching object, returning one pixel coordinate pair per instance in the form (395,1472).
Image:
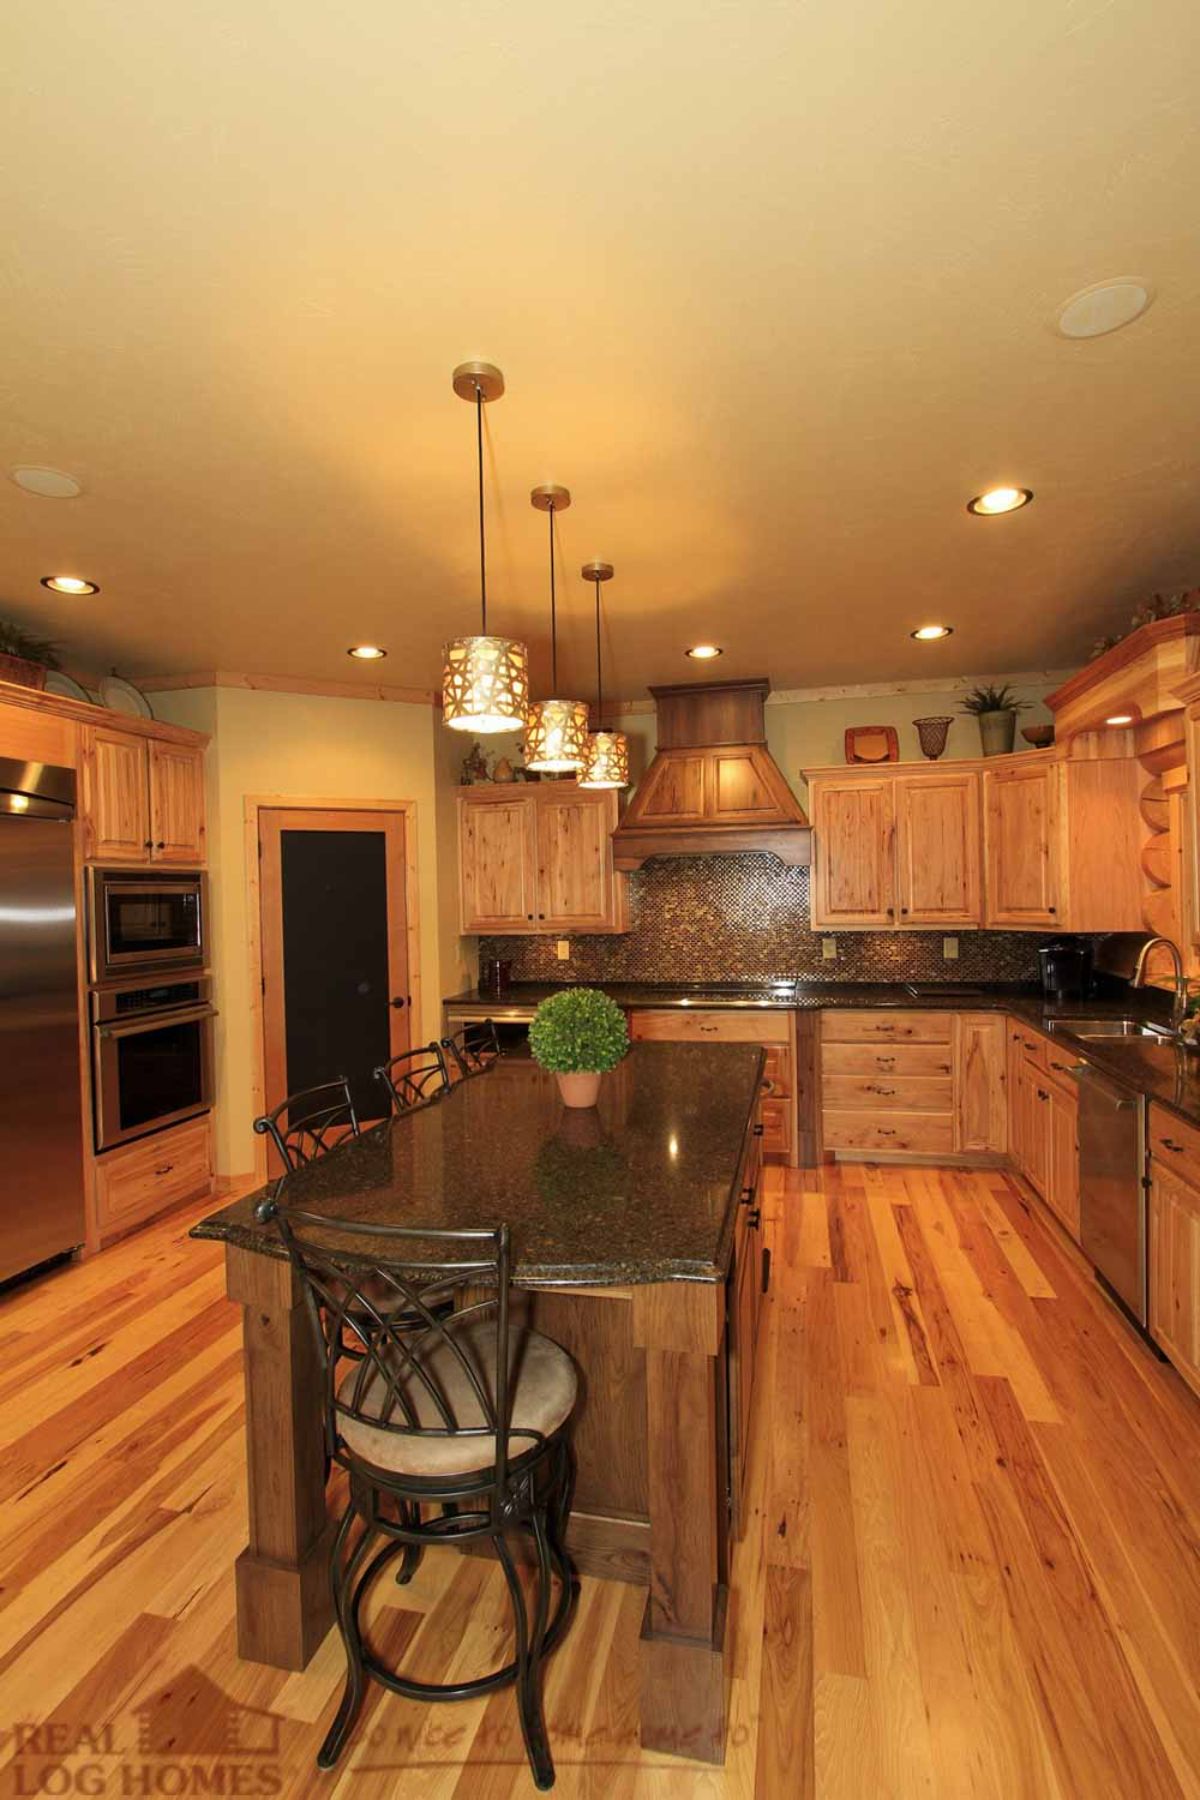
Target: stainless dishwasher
(1112,1185)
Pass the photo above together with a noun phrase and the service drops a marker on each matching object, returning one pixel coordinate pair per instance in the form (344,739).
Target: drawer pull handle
(1170,1144)
(889,1060)
(747,1195)
(164,1168)
(708,1028)
(877,1087)
(886,1131)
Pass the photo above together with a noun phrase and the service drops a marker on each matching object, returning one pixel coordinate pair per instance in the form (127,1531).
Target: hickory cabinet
(142,798)
(1028,842)
(895,850)
(1174,1241)
(536,859)
(774,1029)
(929,1083)
(1044,1121)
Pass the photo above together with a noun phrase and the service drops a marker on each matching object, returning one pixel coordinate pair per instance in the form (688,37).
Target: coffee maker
(1066,966)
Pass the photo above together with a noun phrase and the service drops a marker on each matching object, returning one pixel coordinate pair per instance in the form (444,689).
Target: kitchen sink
(1112,1028)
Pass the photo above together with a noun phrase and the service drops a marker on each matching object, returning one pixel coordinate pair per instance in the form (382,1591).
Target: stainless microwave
(143,922)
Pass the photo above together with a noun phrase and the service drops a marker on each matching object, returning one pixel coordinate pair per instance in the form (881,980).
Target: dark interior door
(336,999)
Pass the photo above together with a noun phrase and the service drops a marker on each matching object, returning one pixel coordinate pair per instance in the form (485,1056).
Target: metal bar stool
(450,1434)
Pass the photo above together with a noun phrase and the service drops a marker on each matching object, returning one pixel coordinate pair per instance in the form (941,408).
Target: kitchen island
(637,1245)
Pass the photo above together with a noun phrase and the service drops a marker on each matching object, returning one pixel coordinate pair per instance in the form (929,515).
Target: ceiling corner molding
(290,684)
(868,690)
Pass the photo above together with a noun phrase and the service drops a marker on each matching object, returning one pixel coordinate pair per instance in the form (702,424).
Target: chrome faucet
(1179,1004)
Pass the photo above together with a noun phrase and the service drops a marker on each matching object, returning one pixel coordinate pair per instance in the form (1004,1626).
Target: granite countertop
(1161,1071)
(643,1188)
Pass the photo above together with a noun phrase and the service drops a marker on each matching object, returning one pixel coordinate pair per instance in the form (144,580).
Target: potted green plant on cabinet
(25,658)
(578,1035)
(996,708)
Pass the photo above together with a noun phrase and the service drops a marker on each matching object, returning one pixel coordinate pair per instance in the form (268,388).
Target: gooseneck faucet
(1179,1004)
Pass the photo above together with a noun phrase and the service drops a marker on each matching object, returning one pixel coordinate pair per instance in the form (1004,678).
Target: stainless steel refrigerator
(41,1123)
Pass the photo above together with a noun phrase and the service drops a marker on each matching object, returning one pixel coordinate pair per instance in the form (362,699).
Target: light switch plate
(829,949)
(950,949)
(562,949)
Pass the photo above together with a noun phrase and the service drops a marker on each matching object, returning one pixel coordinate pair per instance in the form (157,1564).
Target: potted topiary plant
(25,658)
(578,1035)
(996,708)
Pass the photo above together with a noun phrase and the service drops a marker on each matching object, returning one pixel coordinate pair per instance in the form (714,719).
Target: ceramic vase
(997,732)
(580,1089)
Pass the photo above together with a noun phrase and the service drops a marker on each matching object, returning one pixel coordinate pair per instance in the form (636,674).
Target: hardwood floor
(972,1566)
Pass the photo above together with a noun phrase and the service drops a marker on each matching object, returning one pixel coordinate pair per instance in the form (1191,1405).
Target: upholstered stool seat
(542,1391)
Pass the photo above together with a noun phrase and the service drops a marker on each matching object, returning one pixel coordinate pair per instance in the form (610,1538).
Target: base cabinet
(1043,1123)
(747,1285)
(776,1031)
(135,1182)
(1175,1271)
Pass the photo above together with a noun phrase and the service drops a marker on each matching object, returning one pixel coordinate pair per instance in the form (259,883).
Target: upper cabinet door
(176,803)
(496,863)
(853,878)
(1021,838)
(938,849)
(575,872)
(115,796)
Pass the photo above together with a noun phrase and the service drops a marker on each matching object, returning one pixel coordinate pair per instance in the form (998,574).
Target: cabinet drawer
(921,1133)
(776,1118)
(778,1069)
(900,1027)
(889,1093)
(1030,1044)
(886,1059)
(688,1026)
(137,1181)
(1175,1145)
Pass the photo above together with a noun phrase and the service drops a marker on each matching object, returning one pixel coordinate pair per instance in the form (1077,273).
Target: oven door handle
(191,1015)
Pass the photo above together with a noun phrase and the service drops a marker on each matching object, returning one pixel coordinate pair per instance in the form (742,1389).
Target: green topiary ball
(580,1031)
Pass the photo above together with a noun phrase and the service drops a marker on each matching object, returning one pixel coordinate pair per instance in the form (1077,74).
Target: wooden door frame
(255,804)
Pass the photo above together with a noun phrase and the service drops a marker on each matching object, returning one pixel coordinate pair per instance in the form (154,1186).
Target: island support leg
(684,1678)
(284,1602)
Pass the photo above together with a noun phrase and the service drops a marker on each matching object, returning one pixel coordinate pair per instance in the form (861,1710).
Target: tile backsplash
(734,918)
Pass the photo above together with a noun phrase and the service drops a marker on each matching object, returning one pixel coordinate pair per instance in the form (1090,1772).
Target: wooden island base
(654,1446)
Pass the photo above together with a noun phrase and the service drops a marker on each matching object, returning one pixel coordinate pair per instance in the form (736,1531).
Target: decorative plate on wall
(872,744)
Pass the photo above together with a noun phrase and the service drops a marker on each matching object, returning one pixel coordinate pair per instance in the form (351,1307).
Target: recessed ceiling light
(927,633)
(705,652)
(366,652)
(999,500)
(1105,306)
(1120,719)
(69,584)
(47,484)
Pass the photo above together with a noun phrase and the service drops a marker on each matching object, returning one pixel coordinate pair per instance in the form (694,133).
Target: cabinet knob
(161,845)
(541,915)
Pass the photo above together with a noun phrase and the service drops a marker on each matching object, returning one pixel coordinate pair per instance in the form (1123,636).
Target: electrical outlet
(563,949)
(829,949)
(950,949)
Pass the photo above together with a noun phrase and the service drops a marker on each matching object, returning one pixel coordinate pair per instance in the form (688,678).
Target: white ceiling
(772,286)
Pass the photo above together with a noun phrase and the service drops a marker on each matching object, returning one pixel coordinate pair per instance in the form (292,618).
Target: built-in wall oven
(143,922)
(151,1054)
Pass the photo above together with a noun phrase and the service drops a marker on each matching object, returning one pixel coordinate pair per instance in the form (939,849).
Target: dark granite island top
(644,1189)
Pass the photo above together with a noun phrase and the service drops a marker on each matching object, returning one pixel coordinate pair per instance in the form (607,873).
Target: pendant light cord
(599,681)
(553,611)
(482,539)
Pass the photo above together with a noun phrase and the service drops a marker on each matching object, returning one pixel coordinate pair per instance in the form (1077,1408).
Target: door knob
(398,1002)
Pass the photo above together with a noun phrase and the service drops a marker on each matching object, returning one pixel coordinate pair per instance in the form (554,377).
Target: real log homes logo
(188,1738)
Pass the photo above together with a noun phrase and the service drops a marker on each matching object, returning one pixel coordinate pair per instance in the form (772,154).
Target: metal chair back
(310,1123)
(472,1050)
(415,1077)
(382,1299)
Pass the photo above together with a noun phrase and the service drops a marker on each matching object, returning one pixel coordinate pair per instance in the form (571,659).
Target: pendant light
(485,679)
(607,764)
(556,737)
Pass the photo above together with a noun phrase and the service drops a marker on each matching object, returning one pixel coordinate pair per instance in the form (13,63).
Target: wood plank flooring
(972,1567)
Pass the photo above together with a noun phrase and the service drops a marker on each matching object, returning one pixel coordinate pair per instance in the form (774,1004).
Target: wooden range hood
(713,786)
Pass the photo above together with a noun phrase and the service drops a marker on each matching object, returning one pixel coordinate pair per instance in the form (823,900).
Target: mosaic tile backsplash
(740,918)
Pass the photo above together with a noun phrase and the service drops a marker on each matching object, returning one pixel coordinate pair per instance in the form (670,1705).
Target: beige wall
(312,747)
